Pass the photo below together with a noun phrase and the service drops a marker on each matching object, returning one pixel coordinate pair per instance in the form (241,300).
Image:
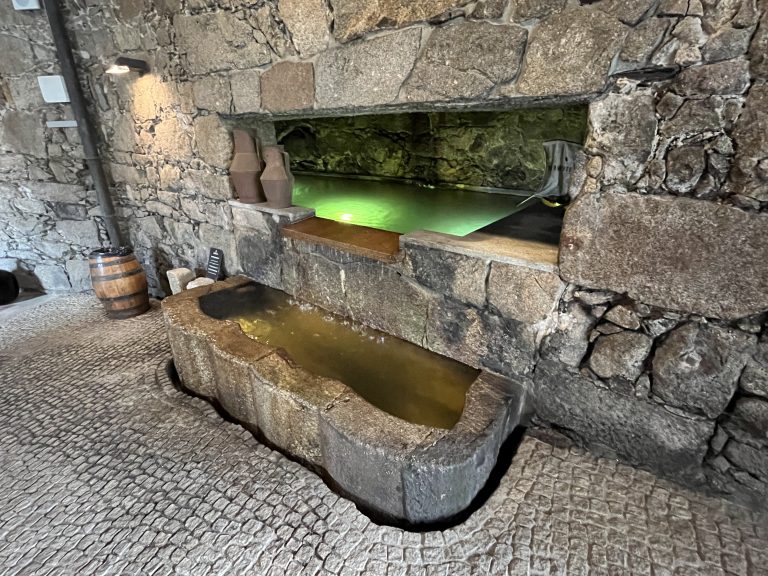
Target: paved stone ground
(105,470)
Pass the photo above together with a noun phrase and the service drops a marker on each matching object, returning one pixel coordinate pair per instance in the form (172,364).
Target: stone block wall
(49,219)
(655,351)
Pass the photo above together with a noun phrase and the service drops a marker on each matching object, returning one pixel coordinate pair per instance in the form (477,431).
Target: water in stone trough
(396,376)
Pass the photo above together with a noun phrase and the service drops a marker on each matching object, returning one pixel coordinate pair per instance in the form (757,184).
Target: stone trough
(398,470)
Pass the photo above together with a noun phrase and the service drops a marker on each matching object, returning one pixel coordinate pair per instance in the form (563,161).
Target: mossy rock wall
(496,149)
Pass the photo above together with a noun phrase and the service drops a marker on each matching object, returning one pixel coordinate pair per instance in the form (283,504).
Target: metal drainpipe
(84,125)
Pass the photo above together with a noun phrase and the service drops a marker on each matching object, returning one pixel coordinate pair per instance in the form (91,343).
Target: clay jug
(275,179)
(246,169)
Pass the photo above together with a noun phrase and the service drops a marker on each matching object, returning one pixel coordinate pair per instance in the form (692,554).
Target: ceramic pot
(276,180)
(246,169)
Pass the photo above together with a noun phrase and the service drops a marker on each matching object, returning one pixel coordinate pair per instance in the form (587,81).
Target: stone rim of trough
(394,469)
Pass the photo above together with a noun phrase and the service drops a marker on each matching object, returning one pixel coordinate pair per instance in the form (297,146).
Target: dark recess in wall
(488,149)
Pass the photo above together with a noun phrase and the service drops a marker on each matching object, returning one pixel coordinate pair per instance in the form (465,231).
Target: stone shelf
(292,214)
(361,240)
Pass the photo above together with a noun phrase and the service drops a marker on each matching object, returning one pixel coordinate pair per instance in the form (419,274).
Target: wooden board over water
(395,376)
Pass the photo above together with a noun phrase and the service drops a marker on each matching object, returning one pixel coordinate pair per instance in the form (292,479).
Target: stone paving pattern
(106,470)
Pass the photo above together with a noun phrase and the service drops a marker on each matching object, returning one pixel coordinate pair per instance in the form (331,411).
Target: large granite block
(641,432)
(364,74)
(676,253)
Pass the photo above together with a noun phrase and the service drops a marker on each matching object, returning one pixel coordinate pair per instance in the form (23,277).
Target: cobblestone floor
(105,470)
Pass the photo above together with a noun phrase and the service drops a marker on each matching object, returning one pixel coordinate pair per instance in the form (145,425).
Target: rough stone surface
(198,282)
(219,41)
(288,86)
(22,132)
(489,9)
(523,294)
(623,129)
(751,139)
(17,55)
(697,367)
(622,316)
(52,278)
(353,18)
(620,355)
(628,11)
(754,379)
(570,53)
(569,342)
(685,166)
(214,144)
(365,74)
(643,40)
(748,422)
(465,60)
(461,277)
(523,10)
(178,278)
(726,44)
(151,476)
(637,430)
(479,338)
(758,50)
(79,272)
(754,461)
(212,93)
(246,91)
(621,242)
(308,22)
(730,77)
(259,245)
(81,232)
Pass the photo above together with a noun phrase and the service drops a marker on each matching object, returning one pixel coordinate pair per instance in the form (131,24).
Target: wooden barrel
(119,281)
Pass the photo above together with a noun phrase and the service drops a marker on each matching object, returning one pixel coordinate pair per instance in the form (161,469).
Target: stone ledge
(401,470)
(513,251)
(293,213)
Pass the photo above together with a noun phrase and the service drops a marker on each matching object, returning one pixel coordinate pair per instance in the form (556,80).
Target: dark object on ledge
(119,282)
(123,65)
(9,287)
(245,170)
(649,74)
(215,264)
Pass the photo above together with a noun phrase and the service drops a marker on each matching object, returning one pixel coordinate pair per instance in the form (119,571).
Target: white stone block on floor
(199,282)
(178,278)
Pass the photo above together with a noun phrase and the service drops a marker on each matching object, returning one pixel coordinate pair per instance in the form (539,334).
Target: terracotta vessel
(246,169)
(276,179)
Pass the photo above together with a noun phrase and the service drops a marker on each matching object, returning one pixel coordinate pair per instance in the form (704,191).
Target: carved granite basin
(400,470)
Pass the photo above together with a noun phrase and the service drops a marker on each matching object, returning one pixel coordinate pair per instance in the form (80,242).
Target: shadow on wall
(28,281)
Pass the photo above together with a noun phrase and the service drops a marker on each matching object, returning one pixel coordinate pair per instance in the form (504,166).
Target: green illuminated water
(401,207)
(394,375)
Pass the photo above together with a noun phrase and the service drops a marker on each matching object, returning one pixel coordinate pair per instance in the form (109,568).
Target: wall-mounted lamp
(124,65)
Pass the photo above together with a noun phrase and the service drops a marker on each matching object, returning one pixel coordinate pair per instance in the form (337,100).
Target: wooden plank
(361,240)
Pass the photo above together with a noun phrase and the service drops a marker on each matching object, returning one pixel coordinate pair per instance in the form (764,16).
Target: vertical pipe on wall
(84,125)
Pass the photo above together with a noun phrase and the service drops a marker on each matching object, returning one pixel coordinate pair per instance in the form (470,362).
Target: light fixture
(123,65)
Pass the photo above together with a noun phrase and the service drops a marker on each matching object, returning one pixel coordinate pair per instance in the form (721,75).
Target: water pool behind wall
(398,377)
(453,172)
(401,207)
